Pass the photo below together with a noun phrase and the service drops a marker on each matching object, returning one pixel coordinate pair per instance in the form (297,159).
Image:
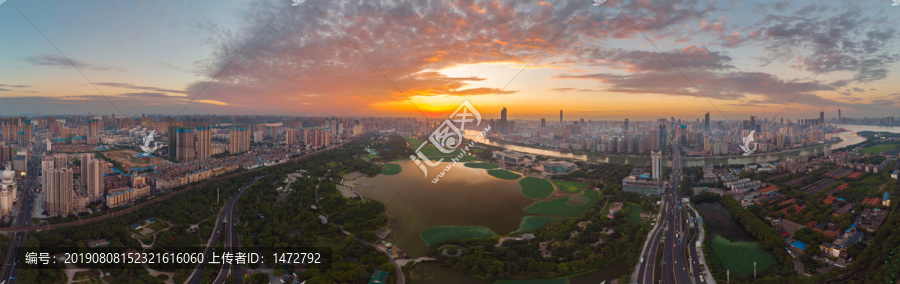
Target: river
(848,139)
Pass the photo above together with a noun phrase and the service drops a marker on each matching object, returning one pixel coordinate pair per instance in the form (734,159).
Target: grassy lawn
(504,174)
(534,281)
(569,186)
(634,216)
(328,242)
(536,188)
(878,148)
(482,165)
(739,256)
(571,206)
(445,233)
(391,169)
(531,223)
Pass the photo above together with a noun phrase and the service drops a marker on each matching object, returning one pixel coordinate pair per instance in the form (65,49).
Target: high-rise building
(239,139)
(290,136)
(93,128)
(560,118)
(189,143)
(821,117)
(6,154)
(839,116)
(26,132)
(543,122)
(706,122)
(316,138)
(503,125)
(58,192)
(92,176)
(626,125)
(656,170)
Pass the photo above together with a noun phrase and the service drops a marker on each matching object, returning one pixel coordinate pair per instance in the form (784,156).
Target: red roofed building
(842,187)
(796,209)
(829,200)
(786,202)
(768,190)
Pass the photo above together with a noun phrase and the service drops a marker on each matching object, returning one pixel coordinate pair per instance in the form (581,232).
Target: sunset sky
(745,57)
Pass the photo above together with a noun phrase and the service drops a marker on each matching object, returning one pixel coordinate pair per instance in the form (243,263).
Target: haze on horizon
(747,58)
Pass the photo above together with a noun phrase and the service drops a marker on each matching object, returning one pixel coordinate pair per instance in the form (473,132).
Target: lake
(731,243)
(463,197)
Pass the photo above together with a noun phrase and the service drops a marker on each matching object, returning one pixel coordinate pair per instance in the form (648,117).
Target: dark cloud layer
(62,62)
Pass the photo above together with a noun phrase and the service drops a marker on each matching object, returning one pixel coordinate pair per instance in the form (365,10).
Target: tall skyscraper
(626,125)
(752,123)
(92,177)
(239,139)
(662,137)
(543,122)
(839,116)
(503,124)
(821,117)
(560,118)
(706,122)
(656,171)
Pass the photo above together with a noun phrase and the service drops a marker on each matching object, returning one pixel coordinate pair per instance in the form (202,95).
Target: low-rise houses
(743,185)
(871,219)
(844,209)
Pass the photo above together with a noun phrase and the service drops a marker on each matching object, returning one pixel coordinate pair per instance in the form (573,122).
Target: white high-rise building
(656,171)
(8,191)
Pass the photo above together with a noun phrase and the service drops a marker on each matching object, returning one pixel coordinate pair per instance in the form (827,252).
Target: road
(646,267)
(674,262)
(232,244)
(225,222)
(698,267)
(25,206)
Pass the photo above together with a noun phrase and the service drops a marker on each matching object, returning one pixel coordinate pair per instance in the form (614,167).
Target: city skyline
(743,57)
